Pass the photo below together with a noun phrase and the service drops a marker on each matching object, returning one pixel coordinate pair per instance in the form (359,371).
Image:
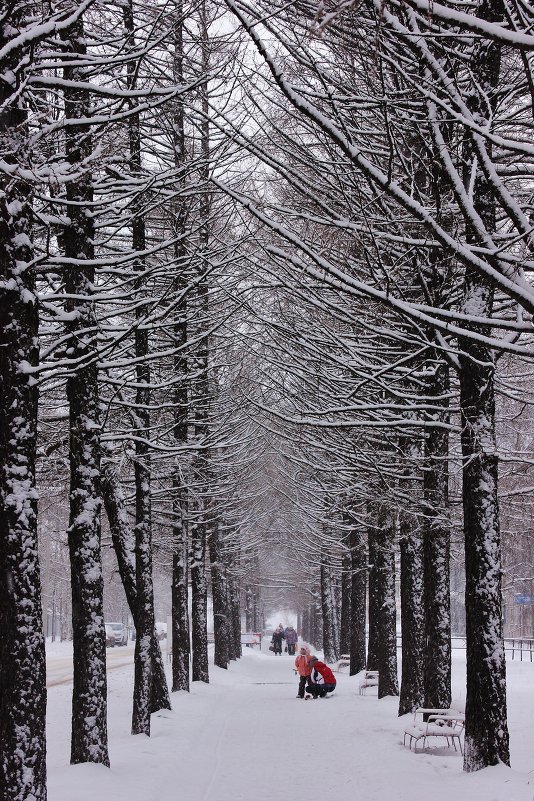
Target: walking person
(303,668)
(278,636)
(321,679)
(292,639)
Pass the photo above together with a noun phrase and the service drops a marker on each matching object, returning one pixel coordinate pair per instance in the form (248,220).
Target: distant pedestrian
(303,667)
(292,639)
(278,636)
(321,679)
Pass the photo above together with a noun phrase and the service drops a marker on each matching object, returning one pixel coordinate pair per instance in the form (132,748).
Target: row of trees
(403,213)
(259,262)
(115,369)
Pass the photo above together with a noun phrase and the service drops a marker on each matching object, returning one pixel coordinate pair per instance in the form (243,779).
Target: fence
(519,647)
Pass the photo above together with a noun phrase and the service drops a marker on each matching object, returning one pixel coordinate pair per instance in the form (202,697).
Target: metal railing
(521,648)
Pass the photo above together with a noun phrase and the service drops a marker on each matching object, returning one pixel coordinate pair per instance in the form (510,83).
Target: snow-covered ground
(246,735)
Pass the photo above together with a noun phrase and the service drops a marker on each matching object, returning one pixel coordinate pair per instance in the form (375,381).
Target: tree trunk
(312,617)
(124,546)
(305,633)
(358,598)
(346,592)
(412,616)
(256,611)
(22,650)
(486,737)
(180,615)
(235,615)
(317,621)
(486,727)
(181,645)
(373,644)
(436,549)
(249,607)
(89,698)
(143,564)
(199,594)
(143,533)
(201,392)
(330,646)
(219,596)
(384,568)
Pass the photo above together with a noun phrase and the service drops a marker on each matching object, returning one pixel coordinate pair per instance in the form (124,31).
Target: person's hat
(313,659)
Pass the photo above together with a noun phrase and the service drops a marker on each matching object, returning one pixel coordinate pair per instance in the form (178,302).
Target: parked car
(110,636)
(119,632)
(161,630)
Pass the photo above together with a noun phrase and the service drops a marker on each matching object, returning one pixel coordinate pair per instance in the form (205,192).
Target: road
(59,667)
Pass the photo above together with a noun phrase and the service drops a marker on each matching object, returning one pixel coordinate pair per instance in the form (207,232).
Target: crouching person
(321,679)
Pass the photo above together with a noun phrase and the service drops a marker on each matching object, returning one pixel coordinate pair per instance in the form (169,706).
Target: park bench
(250,638)
(444,723)
(369,679)
(343,661)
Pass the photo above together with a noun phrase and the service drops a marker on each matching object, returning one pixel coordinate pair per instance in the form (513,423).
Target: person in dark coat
(321,680)
(292,639)
(278,636)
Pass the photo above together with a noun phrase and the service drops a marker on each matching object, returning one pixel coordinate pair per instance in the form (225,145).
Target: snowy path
(247,736)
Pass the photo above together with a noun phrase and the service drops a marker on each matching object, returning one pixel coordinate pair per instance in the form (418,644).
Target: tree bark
(199,594)
(143,531)
(436,548)
(305,633)
(373,644)
(235,612)
(312,617)
(486,726)
(89,698)
(358,599)
(22,650)
(181,644)
(384,570)
(201,471)
(317,617)
(124,546)
(249,607)
(219,597)
(412,616)
(330,645)
(346,592)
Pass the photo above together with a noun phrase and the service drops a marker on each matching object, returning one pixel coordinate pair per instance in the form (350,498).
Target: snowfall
(246,735)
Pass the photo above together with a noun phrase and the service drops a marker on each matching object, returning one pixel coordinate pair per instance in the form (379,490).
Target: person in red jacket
(321,680)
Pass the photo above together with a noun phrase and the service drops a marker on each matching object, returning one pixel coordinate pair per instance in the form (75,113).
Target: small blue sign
(523,598)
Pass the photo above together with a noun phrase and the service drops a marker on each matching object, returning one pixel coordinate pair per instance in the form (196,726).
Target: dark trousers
(302,685)
(291,648)
(320,690)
